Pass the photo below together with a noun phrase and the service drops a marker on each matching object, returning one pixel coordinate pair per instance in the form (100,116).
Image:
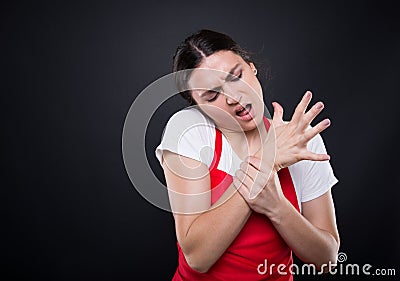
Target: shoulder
(188,120)
(189,133)
(192,113)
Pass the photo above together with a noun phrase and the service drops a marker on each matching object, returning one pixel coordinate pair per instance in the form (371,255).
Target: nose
(233,98)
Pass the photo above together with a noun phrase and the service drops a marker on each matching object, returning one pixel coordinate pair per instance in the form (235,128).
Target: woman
(223,145)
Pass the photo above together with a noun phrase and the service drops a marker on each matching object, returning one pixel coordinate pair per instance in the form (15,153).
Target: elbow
(197,263)
(198,257)
(329,261)
(199,268)
(331,257)
(326,266)
(333,253)
(195,258)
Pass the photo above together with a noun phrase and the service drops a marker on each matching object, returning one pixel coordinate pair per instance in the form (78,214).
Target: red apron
(257,244)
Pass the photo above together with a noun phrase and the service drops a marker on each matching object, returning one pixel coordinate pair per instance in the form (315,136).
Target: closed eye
(237,77)
(214,95)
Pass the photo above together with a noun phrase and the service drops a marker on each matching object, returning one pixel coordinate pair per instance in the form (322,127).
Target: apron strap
(217,150)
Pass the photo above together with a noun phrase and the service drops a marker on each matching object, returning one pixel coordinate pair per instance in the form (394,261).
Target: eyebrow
(216,89)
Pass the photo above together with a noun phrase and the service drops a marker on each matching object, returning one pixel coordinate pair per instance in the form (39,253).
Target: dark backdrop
(72,69)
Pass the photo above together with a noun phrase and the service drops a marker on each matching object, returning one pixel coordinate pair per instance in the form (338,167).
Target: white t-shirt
(192,134)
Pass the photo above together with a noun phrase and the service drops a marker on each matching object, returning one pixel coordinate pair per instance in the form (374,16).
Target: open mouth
(245,113)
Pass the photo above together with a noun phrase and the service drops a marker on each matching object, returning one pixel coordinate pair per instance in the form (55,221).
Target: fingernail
(326,122)
(319,105)
(308,94)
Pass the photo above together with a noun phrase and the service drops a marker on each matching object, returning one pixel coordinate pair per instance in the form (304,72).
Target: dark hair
(199,45)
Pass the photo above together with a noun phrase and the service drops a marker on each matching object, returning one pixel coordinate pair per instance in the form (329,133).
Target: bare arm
(203,232)
(313,236)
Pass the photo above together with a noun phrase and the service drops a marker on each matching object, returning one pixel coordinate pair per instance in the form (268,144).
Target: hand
(257,179)
(260,187)
(291,138)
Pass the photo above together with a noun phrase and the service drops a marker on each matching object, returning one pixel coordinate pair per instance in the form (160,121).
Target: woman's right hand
(291,138)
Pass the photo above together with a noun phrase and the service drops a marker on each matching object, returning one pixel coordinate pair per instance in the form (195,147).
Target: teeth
(238,112)
(246,107)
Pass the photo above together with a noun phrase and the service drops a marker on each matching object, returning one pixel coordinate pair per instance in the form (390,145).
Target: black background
(70,71)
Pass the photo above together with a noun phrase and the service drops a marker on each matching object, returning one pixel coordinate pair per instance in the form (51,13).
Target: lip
(249,116)
(239,107)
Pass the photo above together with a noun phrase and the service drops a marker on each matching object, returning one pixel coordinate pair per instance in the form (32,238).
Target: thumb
(278,114)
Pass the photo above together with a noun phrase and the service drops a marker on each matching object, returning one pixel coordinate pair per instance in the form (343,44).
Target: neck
(245,143)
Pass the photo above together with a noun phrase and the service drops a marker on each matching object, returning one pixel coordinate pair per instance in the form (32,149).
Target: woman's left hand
(260,187)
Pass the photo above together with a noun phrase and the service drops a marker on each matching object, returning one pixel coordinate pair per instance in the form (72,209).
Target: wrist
(279,212)
(276,168)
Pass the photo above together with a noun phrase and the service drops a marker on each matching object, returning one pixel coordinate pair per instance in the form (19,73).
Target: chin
(249,126)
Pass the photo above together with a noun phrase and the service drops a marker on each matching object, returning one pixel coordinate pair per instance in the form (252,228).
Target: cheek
(257,99)
(255,84)
(251,87)
(220,114)
(257,94)
(215,111)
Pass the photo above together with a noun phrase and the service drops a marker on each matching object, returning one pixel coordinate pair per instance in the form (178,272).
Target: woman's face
(226,88)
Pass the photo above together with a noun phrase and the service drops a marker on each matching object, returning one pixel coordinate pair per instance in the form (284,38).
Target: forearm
(212,232)
(309,243)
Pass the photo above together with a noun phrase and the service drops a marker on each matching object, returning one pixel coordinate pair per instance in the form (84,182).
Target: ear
(253,67)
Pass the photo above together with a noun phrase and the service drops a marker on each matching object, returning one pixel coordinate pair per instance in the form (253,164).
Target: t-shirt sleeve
(318,176)
(190,134)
